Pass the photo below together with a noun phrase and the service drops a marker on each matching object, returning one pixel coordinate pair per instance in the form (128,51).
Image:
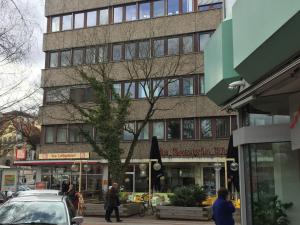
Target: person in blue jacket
(223,209)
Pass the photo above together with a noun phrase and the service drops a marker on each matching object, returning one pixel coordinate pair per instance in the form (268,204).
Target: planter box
(184,213)
(126,210)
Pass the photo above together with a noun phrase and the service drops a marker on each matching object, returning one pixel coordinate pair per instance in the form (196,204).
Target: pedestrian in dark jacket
(112,203)
(223,209)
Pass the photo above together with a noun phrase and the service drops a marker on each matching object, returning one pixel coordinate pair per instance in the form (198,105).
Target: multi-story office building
(192,136)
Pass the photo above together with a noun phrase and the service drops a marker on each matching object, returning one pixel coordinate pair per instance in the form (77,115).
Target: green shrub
(188,196)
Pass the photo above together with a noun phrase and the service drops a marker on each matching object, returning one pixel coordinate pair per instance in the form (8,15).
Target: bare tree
(110,111)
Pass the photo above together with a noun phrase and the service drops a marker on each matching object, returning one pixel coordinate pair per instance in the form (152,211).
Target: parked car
(3,198)
(45,210)
(37,192)
(24,188)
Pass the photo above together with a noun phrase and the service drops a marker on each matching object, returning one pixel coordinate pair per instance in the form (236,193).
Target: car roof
(39,191)
(38,198)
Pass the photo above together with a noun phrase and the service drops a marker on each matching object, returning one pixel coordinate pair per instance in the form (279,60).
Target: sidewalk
(141,221)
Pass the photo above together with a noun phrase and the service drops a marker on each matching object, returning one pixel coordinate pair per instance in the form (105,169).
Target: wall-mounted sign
(21,154)
(75,155)
(295,119)
(9,180)
(192,153)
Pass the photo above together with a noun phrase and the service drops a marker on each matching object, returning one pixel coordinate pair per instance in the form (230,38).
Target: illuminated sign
(200,152)
(76,155)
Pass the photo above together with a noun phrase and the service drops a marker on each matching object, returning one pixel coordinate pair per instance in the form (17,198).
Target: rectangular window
(117,89)
(144,12)
(91,19)
(187,6)
(159,48)
(173,46)
(67,22)
(117,52)
(89,94)
(90,55)
(53,60)
(174,129)
(204,5)
(103,17)
(159,129)
(74,134)
(77,57)
(130,89)
(103,56)
(203,39)
(173,87)
(158,8)
(130,51)
(57,95)
(144,49)
(144,89)
(61,134)
(128,132)
(77,95)
(222,127)
(206,128)
(87,130)
(144,135)
(55,23)
(202,85)
(118,14)
(49,135)
(65,58)
(188,86)
(188,128)
(187,44)
(79,20)
(173,7)
(131,12)
(158,87)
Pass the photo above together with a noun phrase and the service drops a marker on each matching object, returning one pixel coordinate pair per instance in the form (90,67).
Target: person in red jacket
(223,209)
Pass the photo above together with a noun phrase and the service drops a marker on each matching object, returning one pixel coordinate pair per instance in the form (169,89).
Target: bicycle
(146,208)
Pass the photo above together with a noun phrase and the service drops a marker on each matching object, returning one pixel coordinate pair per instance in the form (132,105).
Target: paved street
(142,221)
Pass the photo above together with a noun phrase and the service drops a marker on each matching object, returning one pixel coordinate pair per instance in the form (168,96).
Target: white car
(37,192)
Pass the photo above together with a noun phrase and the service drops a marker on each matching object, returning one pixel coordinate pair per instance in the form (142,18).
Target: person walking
(223,209)
(112,203)
(72,194)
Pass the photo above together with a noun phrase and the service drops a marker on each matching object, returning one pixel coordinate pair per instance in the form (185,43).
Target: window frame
(100,20)
(62,22)
(65,128)
(61,58)
(168,3)
(74,20)
(167,129)
(183,51)
(82,57)
(59,24)
(164,129)
(53,134)
(121,53)
(164,9)
(211,128)
(226,123)
(170,83)
(57,59)
(193,85)
(147,127)
(169,52)
(139,10)
(126,12)
(87,18)
(121,7)
(194,128)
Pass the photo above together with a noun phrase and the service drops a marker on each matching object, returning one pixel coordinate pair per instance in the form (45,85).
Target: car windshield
(33,213)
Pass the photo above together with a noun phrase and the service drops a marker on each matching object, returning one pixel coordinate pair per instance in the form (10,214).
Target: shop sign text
(200,152)
(80,155)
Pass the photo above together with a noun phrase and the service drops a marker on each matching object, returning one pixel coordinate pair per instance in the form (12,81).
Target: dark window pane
(89,94)
(91,19)
(74,134)
(173,46)
(159,48)
(158,87)
(67,22)
(118,14)
(202,87)
(117,89)
(117,52)
(144,49)
(206,128)
(144,135)
(53,59)
(159,130)
(187,6)
(144,11)
(103,53)
(130,89)
(188,86)
(173,87)
(203,39)
(57,95)
(130,12)
(77,95)
(130,50)
(174,129)
(159,8)
(103,17)
(79,20)
(55,21)
(90,55)
(173,7)
(144,89)
(49,133)
(187,44)
(77,57)
(204,5)
(87,130)
(188,129)
(61,135)
(128,132)
(65,58)
(222,127)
